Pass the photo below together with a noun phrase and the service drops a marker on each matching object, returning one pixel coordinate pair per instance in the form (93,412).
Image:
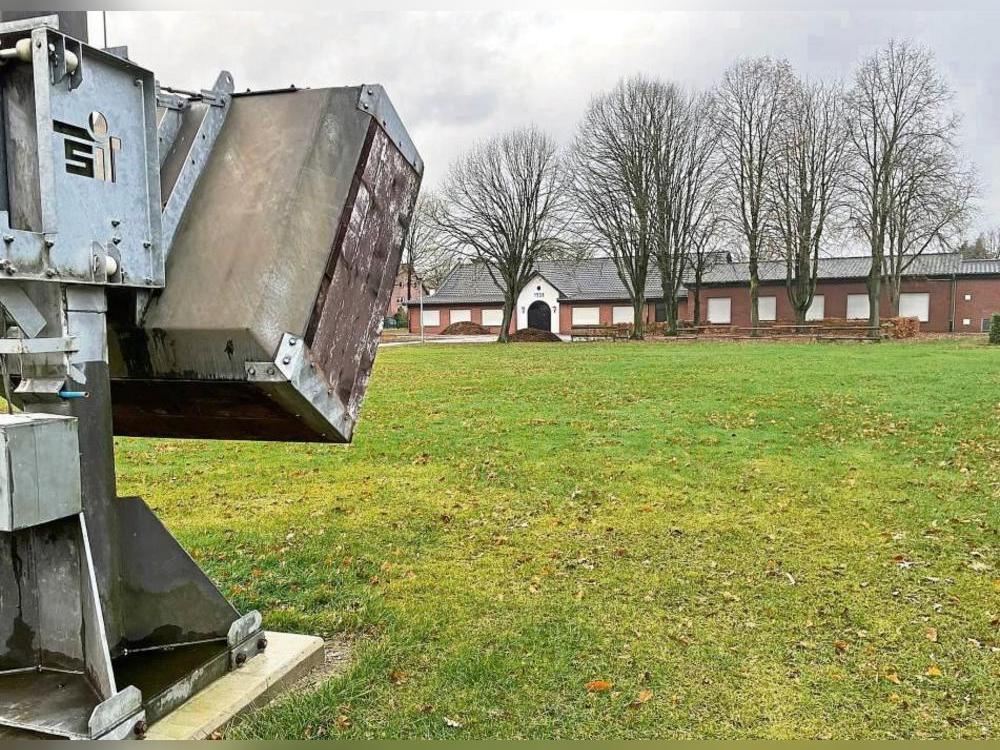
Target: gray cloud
(456,77)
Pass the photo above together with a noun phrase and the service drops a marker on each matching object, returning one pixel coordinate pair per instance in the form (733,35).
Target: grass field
(630,540)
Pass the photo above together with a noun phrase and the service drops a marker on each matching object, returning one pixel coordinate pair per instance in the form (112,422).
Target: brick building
(407,287)
(943,291)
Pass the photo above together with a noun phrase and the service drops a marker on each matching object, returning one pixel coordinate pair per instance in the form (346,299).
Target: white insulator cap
(110,265)
(23,48)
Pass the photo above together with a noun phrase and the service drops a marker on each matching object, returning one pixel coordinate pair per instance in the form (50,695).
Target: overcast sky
(456,77)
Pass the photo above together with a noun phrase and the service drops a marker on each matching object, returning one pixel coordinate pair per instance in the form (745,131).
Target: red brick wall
(985,301)
(565,315)
(835,299)
(476,313)
(606,312)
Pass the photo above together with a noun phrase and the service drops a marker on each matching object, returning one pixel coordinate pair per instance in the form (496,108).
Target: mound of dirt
(465,328)
(531,335)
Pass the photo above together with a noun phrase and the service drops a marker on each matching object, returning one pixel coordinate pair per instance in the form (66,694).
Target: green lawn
(744,540)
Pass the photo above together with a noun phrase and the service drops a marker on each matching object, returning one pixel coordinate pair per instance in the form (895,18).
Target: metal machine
(172,263)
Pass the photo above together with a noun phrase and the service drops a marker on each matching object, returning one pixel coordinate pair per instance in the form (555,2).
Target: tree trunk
(800,315)
(874,284)
(894,291)
(508,314)
(638,318)
(754,285)
(670,309)
(696,315)
(754,314)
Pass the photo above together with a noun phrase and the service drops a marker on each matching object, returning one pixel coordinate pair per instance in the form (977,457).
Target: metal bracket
(245,639)
(59,345)
(293,364)
(121,710)
(375,102)
(218,100)
(20,307)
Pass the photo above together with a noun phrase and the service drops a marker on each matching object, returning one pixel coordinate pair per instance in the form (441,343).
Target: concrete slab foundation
(287,658)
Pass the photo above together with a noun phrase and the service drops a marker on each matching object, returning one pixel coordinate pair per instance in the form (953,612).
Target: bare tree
(504,204)
(691,199)
(931,201)
(751,102)
(427,257)
(808,175)
(704,256)
(899,106)
(986,246)
(615,161)
(643,177)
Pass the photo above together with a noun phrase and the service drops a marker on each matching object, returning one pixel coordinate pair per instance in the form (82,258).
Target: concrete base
(287,658)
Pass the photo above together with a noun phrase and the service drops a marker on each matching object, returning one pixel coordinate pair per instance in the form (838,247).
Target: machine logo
(90,151)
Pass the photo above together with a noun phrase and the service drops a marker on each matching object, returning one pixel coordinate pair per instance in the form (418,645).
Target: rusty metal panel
(343,332)
(278,276)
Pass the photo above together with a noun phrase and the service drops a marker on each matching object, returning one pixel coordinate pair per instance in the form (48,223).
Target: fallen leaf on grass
(841,646)
(452,724)
(931,635)
(598,686)
(893,678)
(644,697)
(933,671)
(898,700)
(343,722)
(398,677)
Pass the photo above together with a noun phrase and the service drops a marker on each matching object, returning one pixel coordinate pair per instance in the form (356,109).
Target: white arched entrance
(538,290)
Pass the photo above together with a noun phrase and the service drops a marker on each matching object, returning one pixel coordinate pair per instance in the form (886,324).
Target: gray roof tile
(597,278)
(984,267)
(855,267)
(587,279)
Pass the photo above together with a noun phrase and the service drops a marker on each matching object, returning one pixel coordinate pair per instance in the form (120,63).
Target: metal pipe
(73,394)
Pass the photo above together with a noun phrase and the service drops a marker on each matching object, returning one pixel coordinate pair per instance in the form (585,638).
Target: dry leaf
(598,686)
(398,677)
(452,724)
(841,646)
(893,678)
(343,722)
(931,634)
(643,697)
(933,671)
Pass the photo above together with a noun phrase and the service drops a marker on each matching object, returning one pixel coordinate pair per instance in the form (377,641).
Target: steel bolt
(11,270)
(8,238)
(270,371)
(147,244)
(261,643)
(251,371)
(286,360)
(50,272)
(241,659)
(116,239)
(148,279)
(292,341)
(49,243)
(115,222)
(140,728)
